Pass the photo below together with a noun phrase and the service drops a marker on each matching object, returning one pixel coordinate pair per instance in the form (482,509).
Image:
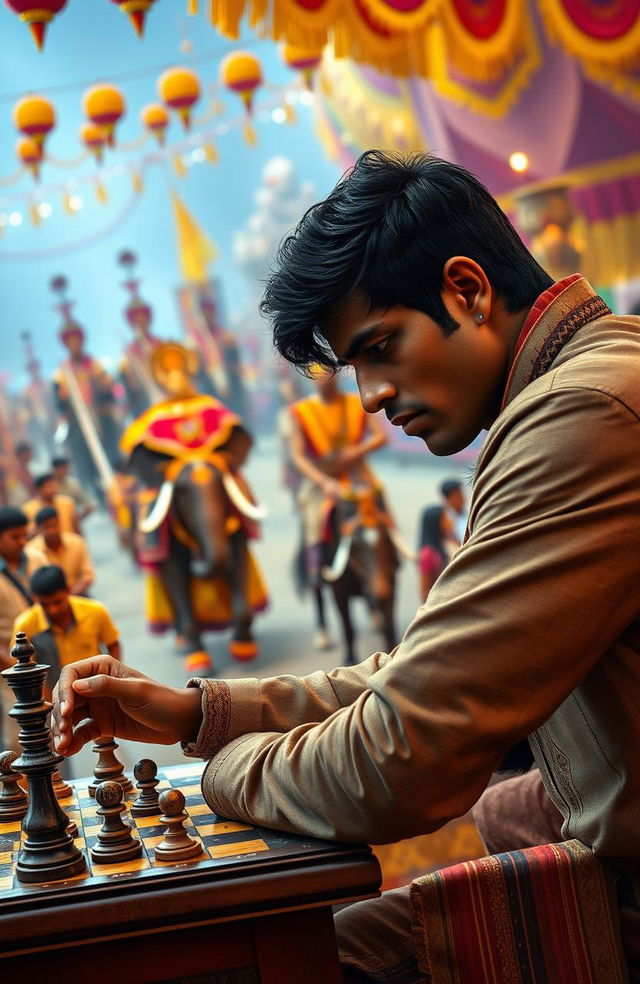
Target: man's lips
(412,423)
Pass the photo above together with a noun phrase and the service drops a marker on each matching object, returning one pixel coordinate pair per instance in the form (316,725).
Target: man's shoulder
(73,540)
(62,499)
(36,556)
(86,606)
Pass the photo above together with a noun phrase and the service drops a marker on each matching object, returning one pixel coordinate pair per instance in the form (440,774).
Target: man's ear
(466,287)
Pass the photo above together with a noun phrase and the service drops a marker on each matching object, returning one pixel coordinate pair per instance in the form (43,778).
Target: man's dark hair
(43,479)
(387,230)
(11,518)
(47,580)
(58,462)
(45,514)
(448,486)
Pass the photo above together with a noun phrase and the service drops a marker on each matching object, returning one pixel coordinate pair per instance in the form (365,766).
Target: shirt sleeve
(108,632)
(231,708)
(545,584)
(86,571)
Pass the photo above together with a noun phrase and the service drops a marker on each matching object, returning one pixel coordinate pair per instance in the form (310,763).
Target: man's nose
(375,393)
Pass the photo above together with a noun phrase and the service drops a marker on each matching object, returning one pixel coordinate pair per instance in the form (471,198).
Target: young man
(64,628)
(410,273)
(66,550)
(16,568)
(70,486)
(48,494)
(330,438)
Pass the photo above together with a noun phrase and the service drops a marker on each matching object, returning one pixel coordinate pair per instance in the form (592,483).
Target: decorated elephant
(195,513)
(362,552)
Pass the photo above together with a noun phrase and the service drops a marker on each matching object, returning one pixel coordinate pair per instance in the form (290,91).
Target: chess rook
(177,844)
(115,840)
(47,852)
(13,799)
(146,774)
(61,788)
(108,767)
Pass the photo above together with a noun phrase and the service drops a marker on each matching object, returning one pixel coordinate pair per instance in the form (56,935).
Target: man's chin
(442,445)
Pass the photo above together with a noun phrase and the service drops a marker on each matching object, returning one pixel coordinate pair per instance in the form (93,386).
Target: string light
(518,161)
(15,218)
(45,210)
(75,203)
(278,115)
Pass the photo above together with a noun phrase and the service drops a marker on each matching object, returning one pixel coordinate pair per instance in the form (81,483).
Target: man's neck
(53,546)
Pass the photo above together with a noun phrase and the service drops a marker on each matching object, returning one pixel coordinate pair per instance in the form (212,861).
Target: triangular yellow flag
(195,250)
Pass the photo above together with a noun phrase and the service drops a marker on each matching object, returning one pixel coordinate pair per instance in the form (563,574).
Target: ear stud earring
(479,318)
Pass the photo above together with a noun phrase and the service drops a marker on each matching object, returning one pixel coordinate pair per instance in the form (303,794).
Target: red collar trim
(544,301)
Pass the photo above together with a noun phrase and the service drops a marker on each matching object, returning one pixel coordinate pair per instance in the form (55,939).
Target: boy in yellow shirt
(62,627)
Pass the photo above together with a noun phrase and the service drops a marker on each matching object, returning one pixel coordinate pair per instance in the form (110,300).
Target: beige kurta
(531,630)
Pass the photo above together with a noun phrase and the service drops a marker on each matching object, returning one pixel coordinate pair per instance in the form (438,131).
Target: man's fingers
(84,732)
(102,685)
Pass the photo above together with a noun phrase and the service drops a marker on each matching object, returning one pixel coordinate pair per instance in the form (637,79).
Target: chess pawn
(13,799)
(61,788)
(146,775)
(177,844)
(116,843)
(108,767)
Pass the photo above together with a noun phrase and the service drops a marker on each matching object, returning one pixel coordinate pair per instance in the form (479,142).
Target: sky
(91,41)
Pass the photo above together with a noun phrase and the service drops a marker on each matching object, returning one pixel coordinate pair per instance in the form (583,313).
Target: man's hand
(100,696)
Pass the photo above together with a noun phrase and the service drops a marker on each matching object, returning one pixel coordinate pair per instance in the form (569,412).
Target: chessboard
(224,843)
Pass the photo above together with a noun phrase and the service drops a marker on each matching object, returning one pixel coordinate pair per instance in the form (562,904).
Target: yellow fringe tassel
(211,153)
(136,181)
(66,203)
(290,113)
(101,193)
(179,166)
(192,8)
(34,214)
(250,134)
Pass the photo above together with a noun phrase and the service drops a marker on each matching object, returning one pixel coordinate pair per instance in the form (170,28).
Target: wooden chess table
(254,908)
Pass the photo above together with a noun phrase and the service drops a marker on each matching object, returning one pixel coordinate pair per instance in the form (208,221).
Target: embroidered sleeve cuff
(216,715)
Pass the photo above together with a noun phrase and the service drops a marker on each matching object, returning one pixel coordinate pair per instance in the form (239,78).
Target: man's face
(326,386)
(49,489)
(75,344)
(56,606)
(442,389)
(61,471)
(456,500)
(50,530)
(12,544)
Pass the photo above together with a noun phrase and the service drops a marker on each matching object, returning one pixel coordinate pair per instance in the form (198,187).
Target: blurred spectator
(65,550)
(16,569)
(48,494)
(68,485)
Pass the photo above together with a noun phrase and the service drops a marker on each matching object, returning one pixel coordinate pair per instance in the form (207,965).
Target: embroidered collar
(555,317)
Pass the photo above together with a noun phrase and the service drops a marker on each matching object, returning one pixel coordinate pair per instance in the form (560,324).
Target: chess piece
(177,844)
(116,843)
(61,788)
(146,774)
(47,852)
(108,767)
(13,799)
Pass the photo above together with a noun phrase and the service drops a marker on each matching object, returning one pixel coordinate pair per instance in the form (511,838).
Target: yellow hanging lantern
(155,119)
(303,60)
(242,73)
(104,105)
(37,14)
(35,117)
(29,153)
(136,11)
(179,88)
(94,139)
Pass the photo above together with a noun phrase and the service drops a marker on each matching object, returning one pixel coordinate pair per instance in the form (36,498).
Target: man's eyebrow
(357,342)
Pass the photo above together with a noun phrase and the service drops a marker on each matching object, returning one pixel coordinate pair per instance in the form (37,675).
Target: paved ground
(285,631)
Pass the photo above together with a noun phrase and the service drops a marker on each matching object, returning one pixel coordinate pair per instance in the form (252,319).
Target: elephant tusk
(400,545)
(240,501)
(340,560)
(160,509)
